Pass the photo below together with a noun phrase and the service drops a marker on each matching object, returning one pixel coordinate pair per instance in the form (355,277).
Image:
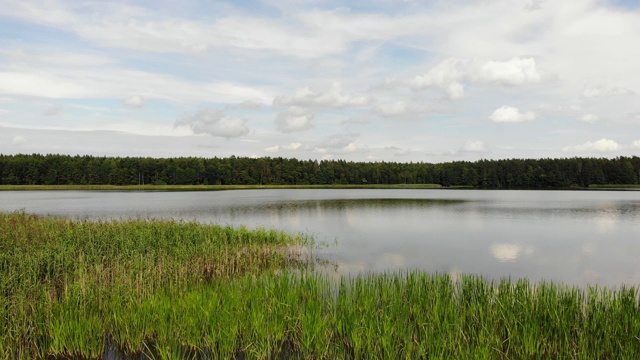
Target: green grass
(183,290)
(49,266)
(210,187)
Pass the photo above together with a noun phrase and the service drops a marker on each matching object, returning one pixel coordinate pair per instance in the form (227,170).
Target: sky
(367,80)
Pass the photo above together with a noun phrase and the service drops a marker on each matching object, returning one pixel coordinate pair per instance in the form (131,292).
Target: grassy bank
(53,270)
(209,187)
(183,290)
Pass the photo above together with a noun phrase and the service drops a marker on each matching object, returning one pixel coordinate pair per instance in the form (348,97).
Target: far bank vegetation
(497,174)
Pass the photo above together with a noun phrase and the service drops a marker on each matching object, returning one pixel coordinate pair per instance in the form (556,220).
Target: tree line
(51,169)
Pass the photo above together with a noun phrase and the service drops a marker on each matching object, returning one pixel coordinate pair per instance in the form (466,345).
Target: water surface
(577,237)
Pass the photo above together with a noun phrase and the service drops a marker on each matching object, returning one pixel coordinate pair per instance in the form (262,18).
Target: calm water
(577,237)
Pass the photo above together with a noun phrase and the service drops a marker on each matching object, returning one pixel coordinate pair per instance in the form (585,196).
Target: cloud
(31,75)
(305,102)
(636,144)
(604,90)
(334,97)
(517,71)
(272,149)
(135,101)
(292,146)
(215,122)
(534,5)
(602,145)
(41,84)
(338,143)
(18,140)
(402,108)
(473,146)
(400,152)
(511,115)
(58,58)
(446,76)
(92,83)
(395,108)
(246,105)
(53,110)
(360,119)
(589,118)
(450,74)
(306,35)
(294,119)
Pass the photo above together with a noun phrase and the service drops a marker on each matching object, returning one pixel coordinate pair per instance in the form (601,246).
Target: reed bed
(159,300)
(50,265)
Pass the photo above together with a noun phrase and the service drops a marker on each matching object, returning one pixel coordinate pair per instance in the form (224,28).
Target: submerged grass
(181,290)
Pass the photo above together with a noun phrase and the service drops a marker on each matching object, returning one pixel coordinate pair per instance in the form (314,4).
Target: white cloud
(534,5)
(511,115)
(92,83)
(247,105)
(305,102)
(450,74)
(294,119)
(41,84)
(338,143)
(214,122)
(58,58)
(636,144)
(473,146)
(19,140)
(589,118)
(54,110)
(517,71)
(360,119)
(349,148)
(272,149)
(602,145)
(292,146)
(395,108)
(604,90)
(402,108)
(135,101)
(308,34)
(446,76)
(476,52)
(334,97)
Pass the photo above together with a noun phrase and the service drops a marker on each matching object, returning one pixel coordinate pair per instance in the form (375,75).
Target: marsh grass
(57,274)
(181,290)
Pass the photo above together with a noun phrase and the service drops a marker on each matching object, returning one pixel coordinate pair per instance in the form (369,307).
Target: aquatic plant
(170,290)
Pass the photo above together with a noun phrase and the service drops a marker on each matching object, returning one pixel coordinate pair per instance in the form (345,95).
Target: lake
(576,237)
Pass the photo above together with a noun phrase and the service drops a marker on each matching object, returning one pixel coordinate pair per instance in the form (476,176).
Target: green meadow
(160,289)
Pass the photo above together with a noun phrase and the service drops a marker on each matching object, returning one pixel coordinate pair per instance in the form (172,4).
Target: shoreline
(178,188)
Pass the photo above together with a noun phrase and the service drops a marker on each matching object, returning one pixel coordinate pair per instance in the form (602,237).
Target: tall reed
(181,290)
(52,270)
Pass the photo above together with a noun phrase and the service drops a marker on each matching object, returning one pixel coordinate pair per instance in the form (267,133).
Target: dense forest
(500,174)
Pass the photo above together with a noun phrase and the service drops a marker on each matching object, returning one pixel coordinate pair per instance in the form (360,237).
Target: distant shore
(612,187)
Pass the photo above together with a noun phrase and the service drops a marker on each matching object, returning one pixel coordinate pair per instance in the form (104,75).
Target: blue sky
(378,80)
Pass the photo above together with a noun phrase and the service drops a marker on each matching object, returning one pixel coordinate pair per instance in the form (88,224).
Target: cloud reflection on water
(510,252)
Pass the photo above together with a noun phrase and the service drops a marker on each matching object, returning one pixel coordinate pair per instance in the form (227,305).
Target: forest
(51,169)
